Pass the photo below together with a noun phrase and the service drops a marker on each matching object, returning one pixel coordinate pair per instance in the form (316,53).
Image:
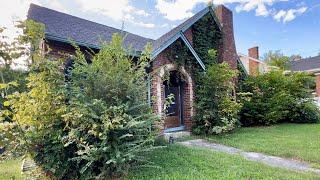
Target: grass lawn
(296,141)
(177,162)
(10,169)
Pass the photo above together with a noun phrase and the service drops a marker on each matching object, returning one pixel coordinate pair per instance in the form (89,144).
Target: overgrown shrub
(216,107)
(93,121)
(305,112)
(277,97)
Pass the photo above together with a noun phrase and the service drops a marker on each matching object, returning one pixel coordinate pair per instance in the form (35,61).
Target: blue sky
(291,26)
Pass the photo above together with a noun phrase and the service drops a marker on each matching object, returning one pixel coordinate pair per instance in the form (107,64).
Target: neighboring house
(61,27)
(251,63)
(311,65)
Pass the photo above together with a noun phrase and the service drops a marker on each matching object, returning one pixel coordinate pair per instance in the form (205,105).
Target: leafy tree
(278,59)
(11,80)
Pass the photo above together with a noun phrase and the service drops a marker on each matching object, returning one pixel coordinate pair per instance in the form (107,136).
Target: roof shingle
(68,27)
(61,26)
(307,64)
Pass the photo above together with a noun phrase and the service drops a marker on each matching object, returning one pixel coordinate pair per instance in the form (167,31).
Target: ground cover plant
(11,169)
(296,141)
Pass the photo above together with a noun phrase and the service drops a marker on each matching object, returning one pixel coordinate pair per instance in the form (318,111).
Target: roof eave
(186,41)
(176,36)
(213,15)
(53,37)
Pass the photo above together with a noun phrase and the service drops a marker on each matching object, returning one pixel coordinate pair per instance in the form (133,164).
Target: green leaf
(3,86)
(6,103)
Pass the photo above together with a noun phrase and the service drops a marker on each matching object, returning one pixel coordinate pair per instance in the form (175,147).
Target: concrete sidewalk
(253,156)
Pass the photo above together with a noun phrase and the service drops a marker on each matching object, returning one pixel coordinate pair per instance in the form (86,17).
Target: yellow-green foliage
(93,124)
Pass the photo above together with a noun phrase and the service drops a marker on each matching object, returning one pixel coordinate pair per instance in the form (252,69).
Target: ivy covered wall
(206,36)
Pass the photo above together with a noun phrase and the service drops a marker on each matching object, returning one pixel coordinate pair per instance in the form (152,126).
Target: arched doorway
(174,87)
(181,112)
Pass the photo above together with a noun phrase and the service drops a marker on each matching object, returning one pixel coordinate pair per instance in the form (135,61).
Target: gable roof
(183,26)
(63,27)
(307,64)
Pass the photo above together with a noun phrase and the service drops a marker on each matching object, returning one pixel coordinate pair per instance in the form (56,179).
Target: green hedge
(276,97)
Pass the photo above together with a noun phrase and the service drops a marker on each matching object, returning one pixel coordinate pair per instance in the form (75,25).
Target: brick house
(310,65)
(252,64)
(61,27)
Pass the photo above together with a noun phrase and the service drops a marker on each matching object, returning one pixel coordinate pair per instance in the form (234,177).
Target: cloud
(134,21)
(56,5)
(289,15)
(181,9)
(119,10)
(165,25)
(177,10)
(259,7)
(16,10)
(12,11)
(145,25)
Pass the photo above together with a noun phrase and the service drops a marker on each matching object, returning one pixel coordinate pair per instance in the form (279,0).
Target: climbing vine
(206,35)
(242,76)
(216,109)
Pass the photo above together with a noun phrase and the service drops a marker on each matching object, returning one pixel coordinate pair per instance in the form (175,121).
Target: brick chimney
(228,52)
(254,52)
(253,65)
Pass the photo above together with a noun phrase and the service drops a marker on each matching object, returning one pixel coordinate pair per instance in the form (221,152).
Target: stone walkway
(252,156)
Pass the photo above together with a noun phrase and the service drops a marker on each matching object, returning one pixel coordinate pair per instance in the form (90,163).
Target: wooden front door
(174,112)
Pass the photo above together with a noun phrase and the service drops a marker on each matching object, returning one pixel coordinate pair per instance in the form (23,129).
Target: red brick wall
(64,50)
(253,67)
(59,50)
(227,51)
(254,52)
(158,62)
(189,34)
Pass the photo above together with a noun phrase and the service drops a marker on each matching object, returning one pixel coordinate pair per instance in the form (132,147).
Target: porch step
(28,165)
(176,135)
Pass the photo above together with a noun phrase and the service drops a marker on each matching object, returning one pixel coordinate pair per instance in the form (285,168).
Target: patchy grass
(177,162)
(296,141)
(11,169)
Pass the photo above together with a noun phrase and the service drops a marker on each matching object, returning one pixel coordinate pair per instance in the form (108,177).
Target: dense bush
(304,112)
(216,107)
(277,97)
(92,122)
